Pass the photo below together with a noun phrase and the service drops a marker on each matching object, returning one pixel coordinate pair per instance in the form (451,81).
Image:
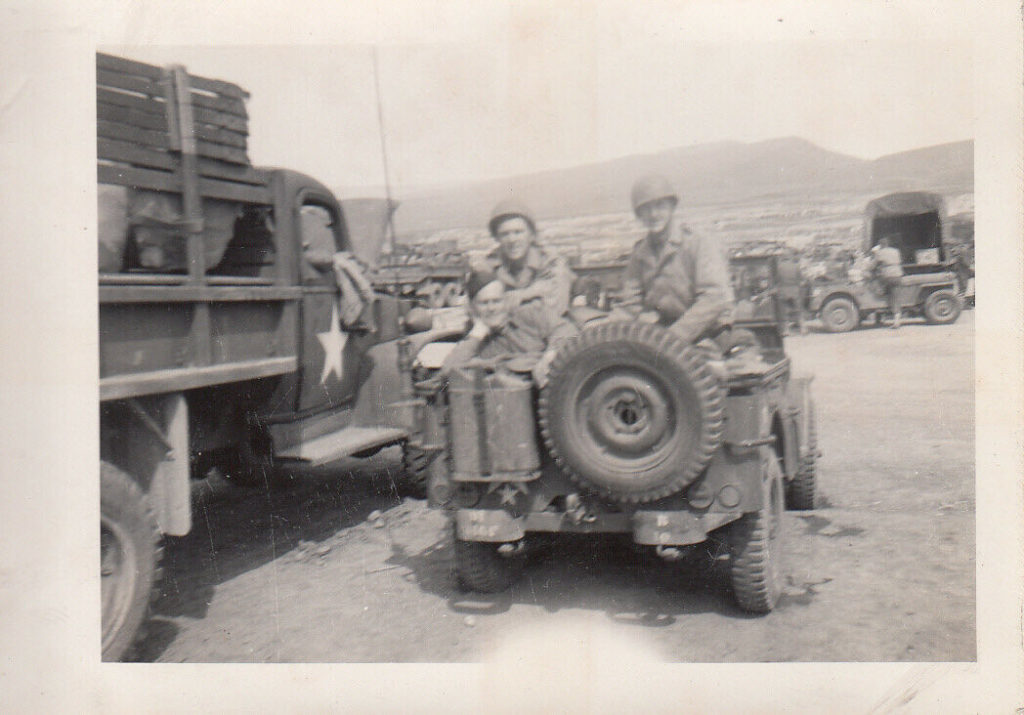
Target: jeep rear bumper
(667,528)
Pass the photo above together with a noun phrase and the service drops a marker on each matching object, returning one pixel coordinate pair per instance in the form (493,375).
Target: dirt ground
(336,567)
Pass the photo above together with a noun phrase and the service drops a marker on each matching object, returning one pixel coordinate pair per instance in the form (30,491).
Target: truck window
(251,251)
(319,244)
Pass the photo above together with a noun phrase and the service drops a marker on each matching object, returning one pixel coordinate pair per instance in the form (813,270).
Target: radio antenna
(390,239)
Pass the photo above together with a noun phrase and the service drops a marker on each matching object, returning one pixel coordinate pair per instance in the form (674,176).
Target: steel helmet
(651,188)
(507,209)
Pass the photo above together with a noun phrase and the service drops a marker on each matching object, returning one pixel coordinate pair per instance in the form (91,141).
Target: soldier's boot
(896,320)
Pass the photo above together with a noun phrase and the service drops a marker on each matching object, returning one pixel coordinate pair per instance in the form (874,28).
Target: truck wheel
(840,315)
(129,559)
(479,567)
(630,411)
(415,471)
(755,543)
(801,492)
(942,307)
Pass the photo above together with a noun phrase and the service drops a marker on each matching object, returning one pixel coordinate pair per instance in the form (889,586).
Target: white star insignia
(508,492)
(333,343)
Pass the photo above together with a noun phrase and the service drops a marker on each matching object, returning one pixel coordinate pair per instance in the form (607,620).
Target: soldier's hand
(479,330)
(542,367)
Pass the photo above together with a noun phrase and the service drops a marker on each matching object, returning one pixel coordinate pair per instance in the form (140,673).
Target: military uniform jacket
(687,283)
(549,273)
(531,328)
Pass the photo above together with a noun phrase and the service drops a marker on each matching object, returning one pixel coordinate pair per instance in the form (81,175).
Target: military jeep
(918,224)
(635,432)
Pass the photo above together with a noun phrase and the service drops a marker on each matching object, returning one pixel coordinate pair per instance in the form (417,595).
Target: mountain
(703,174)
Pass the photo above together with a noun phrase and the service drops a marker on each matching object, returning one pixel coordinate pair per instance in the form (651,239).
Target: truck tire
(755,543)
(630,411)
(840,315)
(130,552)
(942,307)
(415,471)
(801,492)
(479,567)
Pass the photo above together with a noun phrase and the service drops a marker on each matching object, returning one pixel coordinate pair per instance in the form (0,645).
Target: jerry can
(492,430)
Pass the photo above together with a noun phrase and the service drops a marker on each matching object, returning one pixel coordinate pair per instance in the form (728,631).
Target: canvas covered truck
(634,433)
(232,327)
(918,226)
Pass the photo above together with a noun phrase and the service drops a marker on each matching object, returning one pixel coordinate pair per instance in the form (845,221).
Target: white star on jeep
(333,343)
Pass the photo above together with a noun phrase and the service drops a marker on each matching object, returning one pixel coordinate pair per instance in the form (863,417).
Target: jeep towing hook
(671,553)
(510,549)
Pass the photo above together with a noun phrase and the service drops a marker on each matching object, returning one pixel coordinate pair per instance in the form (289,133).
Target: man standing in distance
(674,272)
(528,272)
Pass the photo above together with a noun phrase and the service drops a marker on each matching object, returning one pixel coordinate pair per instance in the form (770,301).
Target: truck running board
(343,443)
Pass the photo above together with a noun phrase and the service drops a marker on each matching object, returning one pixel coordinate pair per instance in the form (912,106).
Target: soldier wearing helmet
(677,274)
(529,273)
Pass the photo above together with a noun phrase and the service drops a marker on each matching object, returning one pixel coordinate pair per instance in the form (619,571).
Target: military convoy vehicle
(638,434)
(929,288)
(222,337)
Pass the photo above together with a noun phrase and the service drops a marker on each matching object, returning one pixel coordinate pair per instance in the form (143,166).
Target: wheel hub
(626,413)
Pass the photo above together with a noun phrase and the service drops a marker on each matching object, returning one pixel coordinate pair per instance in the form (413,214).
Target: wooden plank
(131,292)
(209,89)
(230,105)
(189,378)
(161,140)
(218,135)
(128,115)
(126,66)
(143,156)
(147,109)
(165,181)
(132,83)
(135,135)
(218,86)
(136,154)
(224,153)
(134,101)
(221,119)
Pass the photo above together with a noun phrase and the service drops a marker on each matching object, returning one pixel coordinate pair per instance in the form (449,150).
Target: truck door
(330,355)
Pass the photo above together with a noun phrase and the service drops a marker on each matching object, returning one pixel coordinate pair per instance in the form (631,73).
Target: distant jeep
(929,286)
(635,433)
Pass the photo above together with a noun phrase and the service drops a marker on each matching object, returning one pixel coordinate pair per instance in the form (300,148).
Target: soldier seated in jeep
(500,329)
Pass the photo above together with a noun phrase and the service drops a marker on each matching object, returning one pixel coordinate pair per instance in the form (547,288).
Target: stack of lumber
(148,116)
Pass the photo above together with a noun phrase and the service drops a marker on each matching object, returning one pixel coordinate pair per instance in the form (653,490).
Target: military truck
(918,226)
(638,434)
(226,336)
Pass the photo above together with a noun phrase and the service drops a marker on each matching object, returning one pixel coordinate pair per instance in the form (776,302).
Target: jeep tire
(129,560)
(801,492)
(755,544)
(839,315)
(479,567)
(630,411)
(942,307)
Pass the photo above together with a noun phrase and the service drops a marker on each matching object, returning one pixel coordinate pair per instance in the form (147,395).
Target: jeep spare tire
(630,411)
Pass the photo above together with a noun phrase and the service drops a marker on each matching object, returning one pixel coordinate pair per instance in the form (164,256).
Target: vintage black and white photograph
(581,331)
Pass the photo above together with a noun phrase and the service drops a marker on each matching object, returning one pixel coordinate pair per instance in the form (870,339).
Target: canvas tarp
(883,213)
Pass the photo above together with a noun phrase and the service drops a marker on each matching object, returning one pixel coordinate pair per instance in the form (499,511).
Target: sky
(554,86)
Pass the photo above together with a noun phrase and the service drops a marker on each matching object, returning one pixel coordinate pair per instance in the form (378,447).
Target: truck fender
(147,437)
